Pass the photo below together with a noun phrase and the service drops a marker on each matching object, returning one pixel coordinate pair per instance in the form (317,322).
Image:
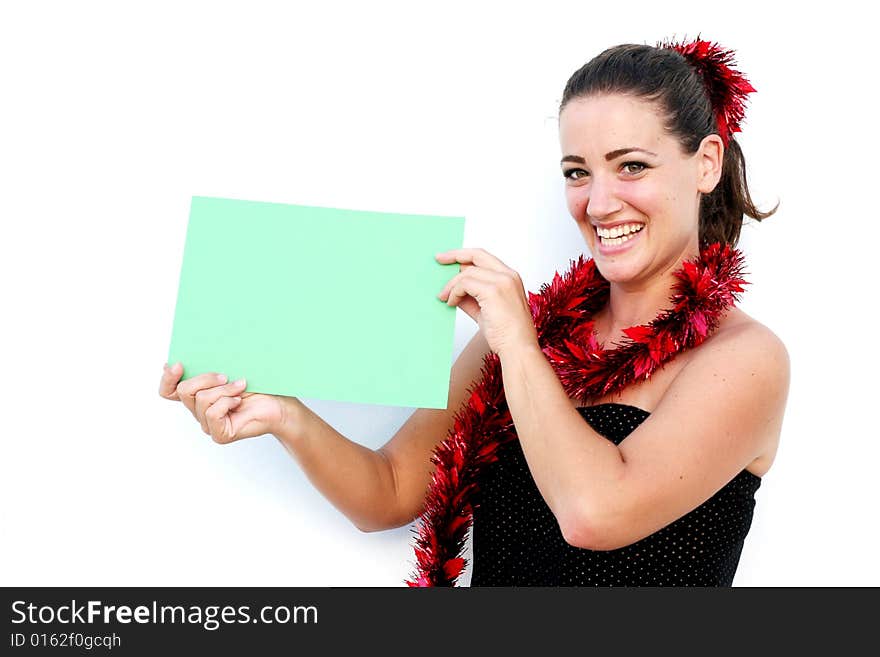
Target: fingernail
(223,378)
(239,382)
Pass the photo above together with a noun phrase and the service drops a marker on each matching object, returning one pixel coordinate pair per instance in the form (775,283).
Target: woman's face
(623,172)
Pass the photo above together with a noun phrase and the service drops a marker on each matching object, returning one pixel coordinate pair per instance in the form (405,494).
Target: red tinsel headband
(727,87)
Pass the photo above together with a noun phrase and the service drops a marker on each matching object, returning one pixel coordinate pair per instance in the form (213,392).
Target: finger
(468,296)
(168,382)
(479,257)
(477,288)
(449,283)
(487,276)
(219,424)
(187,390)
(205,397)
(471,308)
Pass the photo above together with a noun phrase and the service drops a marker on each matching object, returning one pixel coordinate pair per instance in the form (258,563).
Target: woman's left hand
(492,294)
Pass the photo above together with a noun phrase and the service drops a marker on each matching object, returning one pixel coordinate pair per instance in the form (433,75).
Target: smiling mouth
(617,235)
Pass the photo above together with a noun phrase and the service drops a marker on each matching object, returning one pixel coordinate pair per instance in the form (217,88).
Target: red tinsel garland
(562,313)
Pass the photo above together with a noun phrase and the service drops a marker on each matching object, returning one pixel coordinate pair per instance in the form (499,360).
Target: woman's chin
(615,272)
(618,268)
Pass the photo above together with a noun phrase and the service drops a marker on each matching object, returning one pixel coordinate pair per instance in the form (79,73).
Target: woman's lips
(614,249)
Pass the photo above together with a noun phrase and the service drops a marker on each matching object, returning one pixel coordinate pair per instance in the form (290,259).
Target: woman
(643,428)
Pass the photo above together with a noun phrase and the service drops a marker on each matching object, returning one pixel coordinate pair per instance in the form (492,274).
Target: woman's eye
(640,167)
(569,173)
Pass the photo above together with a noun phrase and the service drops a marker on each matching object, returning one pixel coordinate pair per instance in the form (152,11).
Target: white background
(112,115)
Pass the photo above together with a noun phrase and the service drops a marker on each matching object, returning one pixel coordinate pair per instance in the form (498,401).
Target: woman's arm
(720,413)
(384,488)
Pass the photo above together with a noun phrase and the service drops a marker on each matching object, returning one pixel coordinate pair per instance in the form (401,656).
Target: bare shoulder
(744,336)
(744,345)
(756,365)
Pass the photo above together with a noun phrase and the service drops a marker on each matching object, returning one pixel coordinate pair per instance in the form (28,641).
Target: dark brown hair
(665,78)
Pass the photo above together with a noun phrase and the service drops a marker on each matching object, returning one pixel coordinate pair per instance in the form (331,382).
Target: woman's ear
(710,158)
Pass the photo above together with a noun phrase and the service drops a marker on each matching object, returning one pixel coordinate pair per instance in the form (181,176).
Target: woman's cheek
(576,203)
(646,199)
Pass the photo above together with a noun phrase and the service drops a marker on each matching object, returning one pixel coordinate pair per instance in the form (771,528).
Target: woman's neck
(633,303)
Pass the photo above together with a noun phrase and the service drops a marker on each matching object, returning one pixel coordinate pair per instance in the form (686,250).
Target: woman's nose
(602,201)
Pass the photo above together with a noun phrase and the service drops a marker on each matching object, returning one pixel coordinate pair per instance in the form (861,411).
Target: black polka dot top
(517,540)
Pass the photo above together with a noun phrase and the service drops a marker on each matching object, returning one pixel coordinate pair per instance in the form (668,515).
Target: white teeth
(614,241)
(619,231)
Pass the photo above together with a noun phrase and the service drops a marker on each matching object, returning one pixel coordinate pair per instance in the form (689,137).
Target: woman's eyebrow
(608,156)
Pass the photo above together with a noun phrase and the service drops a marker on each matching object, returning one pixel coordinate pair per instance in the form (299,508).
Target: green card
(317,302)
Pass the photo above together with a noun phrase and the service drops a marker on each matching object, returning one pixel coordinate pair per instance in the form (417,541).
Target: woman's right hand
(225,411)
